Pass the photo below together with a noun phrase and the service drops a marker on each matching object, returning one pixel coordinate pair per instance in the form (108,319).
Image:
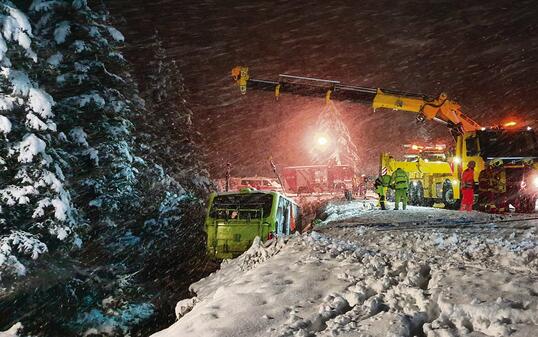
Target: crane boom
(427,107)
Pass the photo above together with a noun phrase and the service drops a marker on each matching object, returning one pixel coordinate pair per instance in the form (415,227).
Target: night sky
(484,55)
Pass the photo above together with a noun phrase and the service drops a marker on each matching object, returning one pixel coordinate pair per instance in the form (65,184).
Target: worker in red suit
(467,187)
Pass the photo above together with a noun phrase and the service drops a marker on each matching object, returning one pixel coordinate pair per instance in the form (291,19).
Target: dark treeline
(101,186)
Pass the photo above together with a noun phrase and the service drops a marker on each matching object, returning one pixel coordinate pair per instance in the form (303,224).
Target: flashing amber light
(414,147)
(510,124)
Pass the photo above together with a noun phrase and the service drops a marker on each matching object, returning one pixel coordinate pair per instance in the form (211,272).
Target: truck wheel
(532,205)
(526,205)
(429,202)
(410,194)
(448,196)
(416,194)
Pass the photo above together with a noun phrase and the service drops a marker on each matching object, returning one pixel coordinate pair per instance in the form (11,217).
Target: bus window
(287,223)
(280,216)
(224,205)
(283,216)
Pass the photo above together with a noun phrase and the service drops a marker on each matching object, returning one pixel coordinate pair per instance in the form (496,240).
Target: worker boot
(382,202)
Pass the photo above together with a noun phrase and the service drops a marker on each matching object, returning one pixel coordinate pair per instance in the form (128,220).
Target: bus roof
(254,191)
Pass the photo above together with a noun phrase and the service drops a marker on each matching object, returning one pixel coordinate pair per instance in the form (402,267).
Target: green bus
(235,219)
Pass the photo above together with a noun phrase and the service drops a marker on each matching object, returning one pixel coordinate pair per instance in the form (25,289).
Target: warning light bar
(510,124)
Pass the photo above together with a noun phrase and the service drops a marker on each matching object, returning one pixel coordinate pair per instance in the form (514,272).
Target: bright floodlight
(322,140)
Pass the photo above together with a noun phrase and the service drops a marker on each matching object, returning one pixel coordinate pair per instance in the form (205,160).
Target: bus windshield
(499,144)
(241,206)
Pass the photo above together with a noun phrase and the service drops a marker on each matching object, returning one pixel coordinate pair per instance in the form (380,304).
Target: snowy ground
(364,272)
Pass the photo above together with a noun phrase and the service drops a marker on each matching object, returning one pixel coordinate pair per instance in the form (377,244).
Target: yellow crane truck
(428,169)
(516,148)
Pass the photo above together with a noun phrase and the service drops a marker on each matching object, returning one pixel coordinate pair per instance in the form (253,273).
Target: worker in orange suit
(467,187)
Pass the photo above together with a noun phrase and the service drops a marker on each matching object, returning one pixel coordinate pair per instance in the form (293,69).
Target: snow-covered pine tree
(166,126)
(35,207)
(90,80)
(340,148)
(140,221)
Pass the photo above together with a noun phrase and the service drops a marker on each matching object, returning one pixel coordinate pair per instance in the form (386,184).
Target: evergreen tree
(339,149)
(136,213)
(166,126)
(90,80)
(35,207)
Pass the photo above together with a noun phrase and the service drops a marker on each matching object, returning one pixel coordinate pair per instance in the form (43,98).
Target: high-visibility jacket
(485,182)
(385,179)
(400,179)
(467,178)
(381,183)
(499,181)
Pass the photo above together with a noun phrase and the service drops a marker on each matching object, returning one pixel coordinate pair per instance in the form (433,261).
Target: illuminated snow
(365,280)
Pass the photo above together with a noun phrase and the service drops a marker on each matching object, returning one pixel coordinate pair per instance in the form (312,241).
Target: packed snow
(364,272)
(11,332)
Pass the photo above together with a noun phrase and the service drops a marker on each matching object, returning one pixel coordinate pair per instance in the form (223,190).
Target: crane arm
(438,108)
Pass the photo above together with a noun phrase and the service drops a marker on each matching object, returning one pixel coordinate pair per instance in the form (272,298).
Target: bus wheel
(448,196)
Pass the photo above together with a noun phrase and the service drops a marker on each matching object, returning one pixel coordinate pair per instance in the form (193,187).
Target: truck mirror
(472,146)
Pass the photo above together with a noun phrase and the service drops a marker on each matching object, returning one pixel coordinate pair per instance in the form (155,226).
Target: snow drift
(431,280)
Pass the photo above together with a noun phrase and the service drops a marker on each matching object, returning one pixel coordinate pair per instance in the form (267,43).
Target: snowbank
(12,332)
(476,279)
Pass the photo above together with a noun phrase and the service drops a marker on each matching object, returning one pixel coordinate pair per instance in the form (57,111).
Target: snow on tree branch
(35,206)
(18,243)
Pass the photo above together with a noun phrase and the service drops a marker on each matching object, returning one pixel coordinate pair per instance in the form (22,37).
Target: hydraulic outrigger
(517,149)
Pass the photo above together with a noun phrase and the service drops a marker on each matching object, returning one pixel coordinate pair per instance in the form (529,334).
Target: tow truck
(516,147)
(428,169)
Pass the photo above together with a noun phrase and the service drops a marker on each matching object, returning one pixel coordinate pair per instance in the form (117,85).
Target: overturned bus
(235,219)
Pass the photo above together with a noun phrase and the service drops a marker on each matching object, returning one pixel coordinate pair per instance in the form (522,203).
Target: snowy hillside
(406,274)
